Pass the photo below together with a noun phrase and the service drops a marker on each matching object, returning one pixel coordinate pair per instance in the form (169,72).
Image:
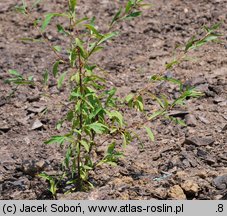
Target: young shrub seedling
(95,110)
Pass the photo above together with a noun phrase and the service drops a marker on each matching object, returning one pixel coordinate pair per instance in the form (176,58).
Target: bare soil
(183,163)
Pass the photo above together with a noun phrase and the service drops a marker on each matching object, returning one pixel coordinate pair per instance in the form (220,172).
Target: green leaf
(48,18)
(93,30)
(85,144)
(72,5)
(124,140)
(87,167)
(177,121)
(45,77)
(159,102)
(134,14)
(139,103)
(216,26)
(156,114)
(190,43)
(55,68)
(129,98)
(96,49)
(128,6)
(95,113)
(111,148)
(81,20)
(62,30)
(72,57)
(111,163)
(59,124)
(14,72)
(145,6)
(116,115)
(67,157)
(116,17)
(150,133)
(171,64)
(30,78)
(57,48)
(70,115)
(110,94)
(19,80)
(165,101)
(107,37)
(174,81)
(213,28)
(45,176)
(79,44)
(21,9)
(56,139)
(61,79)
(98,127)
(76,94)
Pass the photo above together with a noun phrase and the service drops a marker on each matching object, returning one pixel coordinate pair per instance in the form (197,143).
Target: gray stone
(4,126)
(190,120)
(197,141)
(220,182)
(36,124)
(224,128)
(36,109)
(178,113)
(204,120)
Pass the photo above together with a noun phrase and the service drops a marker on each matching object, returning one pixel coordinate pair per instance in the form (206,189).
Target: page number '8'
(220,208)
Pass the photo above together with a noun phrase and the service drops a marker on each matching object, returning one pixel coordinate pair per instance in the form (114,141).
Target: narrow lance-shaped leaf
(81,20)
(129,98)
(93,30)
(98,127)
(79,44)
(107,37)
(171,64)
(156,114)
(57,48)
(55,68)
(72,57)
(56,139)
(85,144)
(150,133)
(124,140)
(45,77)
(134,14)
(110,149)
(190,43)
(118,116)
(72,5)
(139,103)
(48,18)
(61,80)
(116,17)
(62,30)
(14,72)
(128,6)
